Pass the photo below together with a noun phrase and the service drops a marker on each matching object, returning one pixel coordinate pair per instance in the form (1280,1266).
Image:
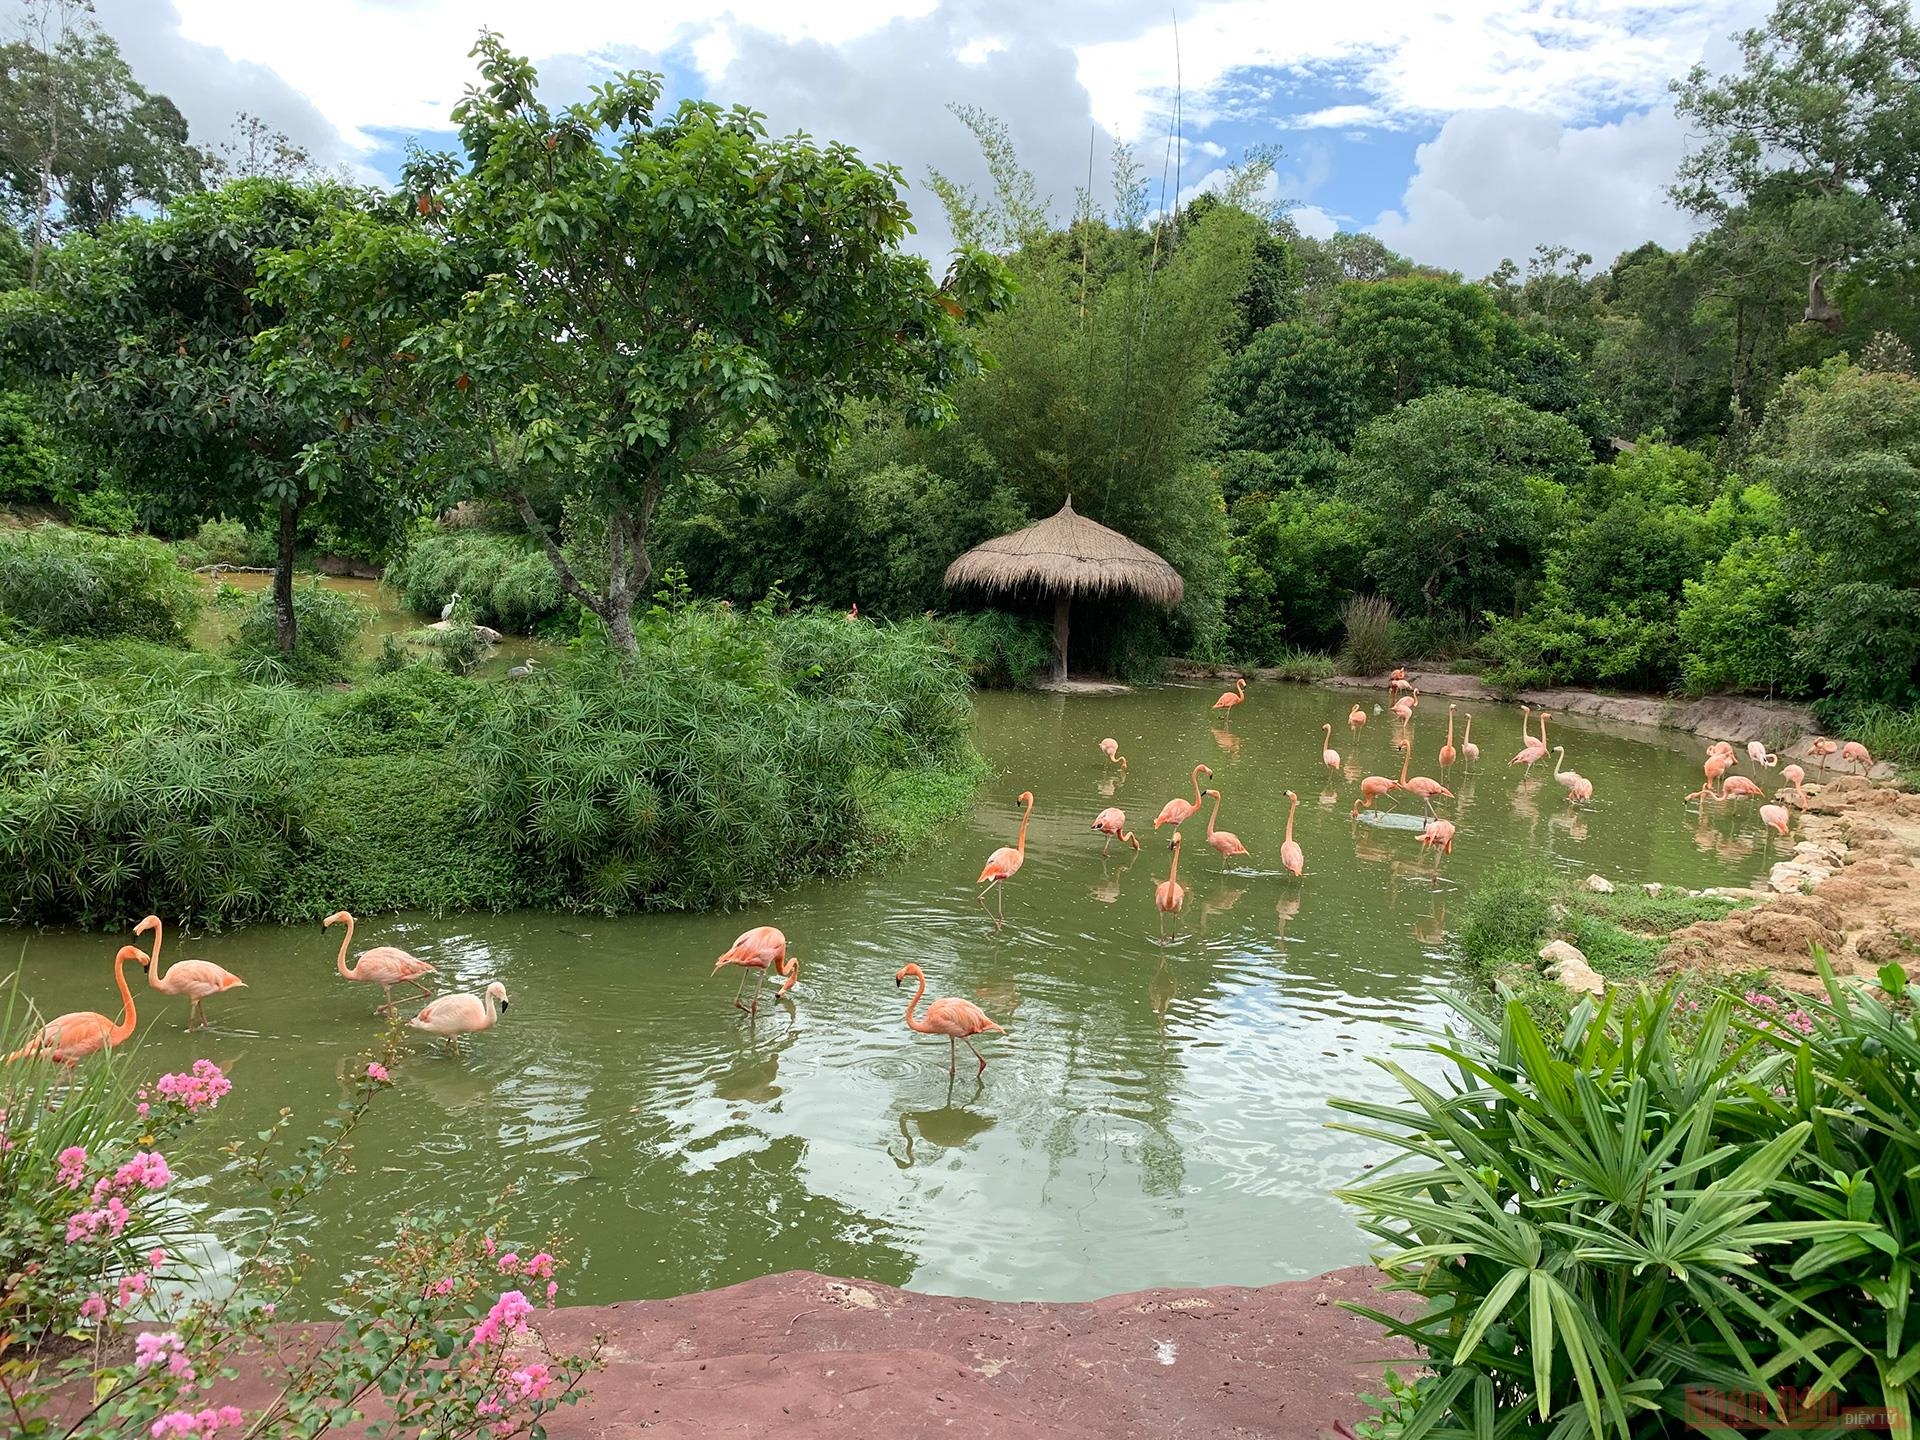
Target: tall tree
(610,303)
(82,141)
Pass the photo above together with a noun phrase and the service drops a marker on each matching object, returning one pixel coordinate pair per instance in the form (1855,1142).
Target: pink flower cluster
(507,1317)
(377,1073)
(87,1224)
(179,1424)
(146,1171)
(1796,1020)
(198,1089)
(164,1348)
(73,1167)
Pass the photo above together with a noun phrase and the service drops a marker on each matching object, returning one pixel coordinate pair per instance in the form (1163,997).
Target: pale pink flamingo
(1169,895)
(1399,673)
(69,1039)
(1112,823)
(464,1013)
(1578,786)
(1704,794)
(1111,749)
(1854,753)
(1797,778)
(1004,864)
(1356,717)
(1403,707)
(1774,817)
(196,979)
(1760,755)
(956,1019)
(1329,756)
(1232,698)
(1426,788)
(1468,749)
(1736,787)
(384,965)
(1225,843)
(1447,751)
(1820,749)
(1438,835)
(1720,759)
(1531,751)
(1178,811)
(1291,856)
(762,948)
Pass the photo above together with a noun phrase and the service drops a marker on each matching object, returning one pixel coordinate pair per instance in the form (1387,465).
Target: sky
(1460,132)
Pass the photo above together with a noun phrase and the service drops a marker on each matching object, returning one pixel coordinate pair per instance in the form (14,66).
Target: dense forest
(1683,469)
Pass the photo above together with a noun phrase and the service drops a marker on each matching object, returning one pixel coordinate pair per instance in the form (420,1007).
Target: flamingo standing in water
(1232,698)
(1426,788)
(464,1013)
(1169,895)
(1111,749)
(1717,763)
(1854,753)
(1468,749)
(1760,755)
(762,948)
(384,965)
(956,1019)
(1178,811)
(1403,707)
(1329,756)
(1004,864)
(1112,823)
(69,1039)
(1356,717)
(1371,789)
(196,979)
(1291,855)
(1225,842)
(1578,786)
(1531,750)
(1774,817)
(1820,749)
(1438,836)
(1735,787)
(1447,752)
(1797,778)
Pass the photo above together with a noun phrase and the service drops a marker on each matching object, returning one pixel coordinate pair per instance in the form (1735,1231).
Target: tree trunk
(1060,638)
(285,628)
(628,566)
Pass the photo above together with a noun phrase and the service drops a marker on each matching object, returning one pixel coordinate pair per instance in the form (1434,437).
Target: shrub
(26,461)
(226,542)
(506,579)
(1368,647)
(1294,564)
(1736,621)
(66,584)
(996,649)
(1507,919)
(328,622)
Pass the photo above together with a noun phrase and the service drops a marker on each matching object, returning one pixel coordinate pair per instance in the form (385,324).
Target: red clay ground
(800,1355)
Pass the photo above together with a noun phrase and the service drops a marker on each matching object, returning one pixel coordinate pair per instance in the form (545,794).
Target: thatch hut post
(1066,556)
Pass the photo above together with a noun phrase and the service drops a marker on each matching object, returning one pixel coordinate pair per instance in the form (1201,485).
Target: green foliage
(1507,919)
(1367,646)
(66,584)
(996,649)
(460,645)
(1415,336)
(225,542)
(1887,732)
(1603,1216)
(26,461)
(1736,622)
(504,580)
(328,621)
(1295,562)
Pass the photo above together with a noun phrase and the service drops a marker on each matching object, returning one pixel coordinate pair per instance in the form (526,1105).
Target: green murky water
(1155,1116)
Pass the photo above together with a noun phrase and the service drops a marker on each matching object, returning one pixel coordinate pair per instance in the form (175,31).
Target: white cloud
(1495,183)
(1338,117)
(1312,220)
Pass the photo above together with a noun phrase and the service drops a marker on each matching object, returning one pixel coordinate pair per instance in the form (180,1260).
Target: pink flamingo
(1177,812)
(762,948)
(1774,817)
(1005,863)
(1356,717)
(1820,749)
(1224,842)
(196,979)
(1329,756)
(384,965)
(1403,707)
(464,1013)
(1232,698)
(1168,895)
(1854,753)
(956,1019)
(1797,778)
(69,1039)
(1704,794)
(1112,823)
(1468,749)
(1438,836)
(1427,789)
(1111,749)
(1291,856)
(1760,755)
(1578,786)
(1447,751)
(1735,787)
(1531,751)
(1371,789)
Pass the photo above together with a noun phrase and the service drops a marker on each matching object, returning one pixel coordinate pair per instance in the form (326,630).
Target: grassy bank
(740,752)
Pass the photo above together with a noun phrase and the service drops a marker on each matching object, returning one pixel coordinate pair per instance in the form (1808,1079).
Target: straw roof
(1067,554)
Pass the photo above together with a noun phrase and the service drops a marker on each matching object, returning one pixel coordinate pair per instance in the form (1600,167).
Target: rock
(1599,885)
(1566,964)
(1653,887)
(486,632)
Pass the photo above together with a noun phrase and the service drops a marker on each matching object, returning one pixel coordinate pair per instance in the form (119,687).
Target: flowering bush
(437,1341)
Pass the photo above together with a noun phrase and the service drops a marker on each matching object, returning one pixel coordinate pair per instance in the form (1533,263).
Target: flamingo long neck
(1215,815)
(155,976)
(1449,725)
(124,1030)
(1173,871)
(1468,733)
(913,1024)
(1197,802)
(1526,735)
(1406,759)
(1290,809)
(1020,842)
(341,962)
(1326,737)
(1559,759)
(492,1002)
(1127,839)
(1543,729)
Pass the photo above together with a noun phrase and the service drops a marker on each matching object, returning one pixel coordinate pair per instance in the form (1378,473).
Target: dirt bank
(1849,884)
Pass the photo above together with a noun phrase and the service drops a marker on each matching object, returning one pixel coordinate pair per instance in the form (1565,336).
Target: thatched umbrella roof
(1066,556)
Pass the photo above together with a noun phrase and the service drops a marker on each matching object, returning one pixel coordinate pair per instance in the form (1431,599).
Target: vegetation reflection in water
(1154,1115)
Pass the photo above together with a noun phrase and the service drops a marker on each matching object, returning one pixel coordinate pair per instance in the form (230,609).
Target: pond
(1155,1115)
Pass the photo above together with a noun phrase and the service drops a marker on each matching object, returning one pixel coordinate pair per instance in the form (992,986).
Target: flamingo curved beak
(896,982)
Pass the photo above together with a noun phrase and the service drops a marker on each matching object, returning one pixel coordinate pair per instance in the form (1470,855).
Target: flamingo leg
(978,1056)
(1104,849)
(953,1057)
(739,990)
(388,1007)
(421,986)
(754,1008)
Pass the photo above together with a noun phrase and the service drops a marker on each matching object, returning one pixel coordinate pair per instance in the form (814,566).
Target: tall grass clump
(1888,731)
(1507,919)
(506,579)
(1654,1216)
(999,651)
(61,584)
(327,623)
(1367,648)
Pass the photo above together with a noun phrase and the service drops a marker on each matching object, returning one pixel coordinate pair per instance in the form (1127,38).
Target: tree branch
(569,582)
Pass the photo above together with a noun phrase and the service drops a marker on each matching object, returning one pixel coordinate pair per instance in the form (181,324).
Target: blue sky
(1458,135)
